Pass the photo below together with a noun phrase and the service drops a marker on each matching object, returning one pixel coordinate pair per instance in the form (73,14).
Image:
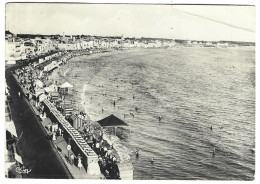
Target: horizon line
(126,37)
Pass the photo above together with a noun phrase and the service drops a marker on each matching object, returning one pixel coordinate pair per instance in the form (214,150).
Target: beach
(192,89)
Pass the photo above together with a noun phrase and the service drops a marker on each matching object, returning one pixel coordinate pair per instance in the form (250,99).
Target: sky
(194,22)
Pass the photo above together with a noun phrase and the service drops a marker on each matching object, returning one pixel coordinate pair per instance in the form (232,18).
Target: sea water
(193,89)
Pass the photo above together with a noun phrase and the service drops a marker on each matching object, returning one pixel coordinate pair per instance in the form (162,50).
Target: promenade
(37,152)
(61,146)
(87,145)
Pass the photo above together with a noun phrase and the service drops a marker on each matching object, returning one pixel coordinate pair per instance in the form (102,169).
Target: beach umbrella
(66,85)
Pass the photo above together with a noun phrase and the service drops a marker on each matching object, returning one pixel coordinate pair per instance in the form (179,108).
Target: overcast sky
(196,22)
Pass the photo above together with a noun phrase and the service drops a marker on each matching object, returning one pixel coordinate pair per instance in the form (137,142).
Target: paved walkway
(61,146)
(37,153)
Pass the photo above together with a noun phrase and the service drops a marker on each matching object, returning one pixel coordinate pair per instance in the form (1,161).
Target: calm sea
(192,89)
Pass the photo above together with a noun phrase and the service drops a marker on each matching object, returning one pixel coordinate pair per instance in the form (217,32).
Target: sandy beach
(86,96)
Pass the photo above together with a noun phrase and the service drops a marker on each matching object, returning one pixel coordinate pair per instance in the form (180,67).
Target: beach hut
(55,96)
(64,88)
(76,121)
(67,108)
(112,121)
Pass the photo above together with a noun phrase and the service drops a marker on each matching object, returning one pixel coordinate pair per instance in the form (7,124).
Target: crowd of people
(93,134)
(76,160)
(107,160)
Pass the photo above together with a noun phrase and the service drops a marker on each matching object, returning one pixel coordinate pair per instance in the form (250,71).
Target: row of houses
(114,42)
(17,48)
(24,46)
(195,43)
(21,47)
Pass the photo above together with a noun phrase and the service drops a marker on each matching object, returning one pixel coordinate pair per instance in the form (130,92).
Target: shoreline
(94,83)
(123,157)
(122,151)
(84,105)
(65,74)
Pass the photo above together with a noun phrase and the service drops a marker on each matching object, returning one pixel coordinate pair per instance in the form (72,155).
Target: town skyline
(154,21)
(117,36)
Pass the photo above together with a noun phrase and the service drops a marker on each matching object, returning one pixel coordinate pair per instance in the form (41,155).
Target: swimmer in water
(160,118)
(132,114)
(213,153)
(137,152)
(152,161)
(252,150)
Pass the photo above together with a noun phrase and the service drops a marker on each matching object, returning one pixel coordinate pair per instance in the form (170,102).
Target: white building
(222,44)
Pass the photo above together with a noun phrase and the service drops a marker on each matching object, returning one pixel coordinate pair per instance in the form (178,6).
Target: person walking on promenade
(49,127)
(54,136)
(19,94)
(52,128)
(59,130)
(72,159)
(114,159)
(61,133)
(98,148)
(79,162)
